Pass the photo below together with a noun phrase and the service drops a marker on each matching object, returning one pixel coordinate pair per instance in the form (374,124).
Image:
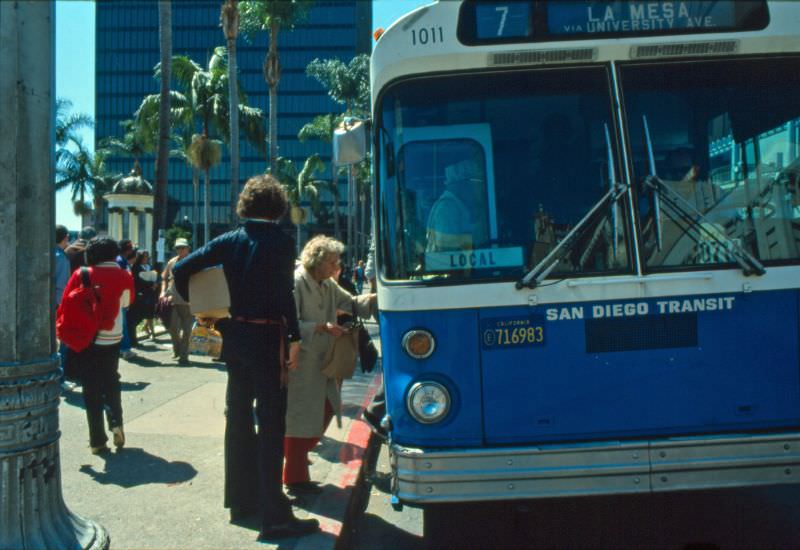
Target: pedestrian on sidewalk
(181,320)
(314,398)
(62,271)
(75,251)
(258,262)
(60,278)
(98,365)
(127,252)
(358,276)
(143,280)
(149,291)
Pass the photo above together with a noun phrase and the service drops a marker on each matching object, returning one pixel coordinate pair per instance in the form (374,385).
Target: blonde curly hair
(317,249)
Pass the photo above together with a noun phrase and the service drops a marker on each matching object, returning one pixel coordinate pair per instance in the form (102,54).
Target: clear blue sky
(74,77)
(75,65)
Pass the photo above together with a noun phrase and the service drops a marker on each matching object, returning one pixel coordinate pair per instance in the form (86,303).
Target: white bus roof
(424,41)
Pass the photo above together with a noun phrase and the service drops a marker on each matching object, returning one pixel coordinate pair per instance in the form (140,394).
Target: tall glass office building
(127,50)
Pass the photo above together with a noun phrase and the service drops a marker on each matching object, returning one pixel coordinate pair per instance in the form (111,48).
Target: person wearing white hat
(181,320)
(452,223)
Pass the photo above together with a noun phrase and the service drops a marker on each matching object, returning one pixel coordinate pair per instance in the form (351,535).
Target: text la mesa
(632,309)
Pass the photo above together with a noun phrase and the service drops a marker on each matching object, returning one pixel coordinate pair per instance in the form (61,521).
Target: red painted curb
(352,452)
(351,456)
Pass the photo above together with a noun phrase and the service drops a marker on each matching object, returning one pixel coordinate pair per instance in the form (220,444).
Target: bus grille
(641,333)
(539,57)
(686,49)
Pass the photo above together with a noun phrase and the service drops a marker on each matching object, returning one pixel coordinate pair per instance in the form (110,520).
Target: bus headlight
(419,344)
(428,402)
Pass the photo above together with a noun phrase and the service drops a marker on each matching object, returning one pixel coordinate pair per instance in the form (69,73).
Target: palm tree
(348,84)
(321,128)
(229,19)
(69,146)
(203,101)
(74,170)
(205,153)
(301,186)
(272,16)
(67,125)
(162,157)
(102,183)
(137,140)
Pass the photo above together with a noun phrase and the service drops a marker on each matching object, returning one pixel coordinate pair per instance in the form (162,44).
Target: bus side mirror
(350,142)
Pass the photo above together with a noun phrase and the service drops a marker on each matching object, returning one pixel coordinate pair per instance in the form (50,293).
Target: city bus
(587,223)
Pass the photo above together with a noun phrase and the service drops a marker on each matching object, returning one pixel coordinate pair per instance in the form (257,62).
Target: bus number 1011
(421,37)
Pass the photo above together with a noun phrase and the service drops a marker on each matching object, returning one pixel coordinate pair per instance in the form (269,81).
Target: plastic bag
(205,341)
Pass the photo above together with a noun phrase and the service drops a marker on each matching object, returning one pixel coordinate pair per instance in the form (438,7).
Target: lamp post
(32,509)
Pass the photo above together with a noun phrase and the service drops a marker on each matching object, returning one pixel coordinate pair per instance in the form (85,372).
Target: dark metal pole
(32,509)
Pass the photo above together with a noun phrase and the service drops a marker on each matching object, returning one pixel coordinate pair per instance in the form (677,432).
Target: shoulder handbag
(367,352)
(340,361)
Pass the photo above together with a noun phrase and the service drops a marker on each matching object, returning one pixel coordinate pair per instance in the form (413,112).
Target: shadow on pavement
(75,397)
(330,493)
(383,534)
(133,386)
(321,540)
(337,452)
(143,361)
(131,467)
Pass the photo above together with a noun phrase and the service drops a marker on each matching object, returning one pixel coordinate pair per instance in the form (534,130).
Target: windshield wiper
(564,247)
(690,215)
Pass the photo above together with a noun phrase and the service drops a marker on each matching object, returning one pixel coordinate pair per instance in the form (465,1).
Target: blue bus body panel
(734,368)
(455,363)
(606,370)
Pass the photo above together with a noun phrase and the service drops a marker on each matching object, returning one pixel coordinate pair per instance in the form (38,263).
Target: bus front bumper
(607,468)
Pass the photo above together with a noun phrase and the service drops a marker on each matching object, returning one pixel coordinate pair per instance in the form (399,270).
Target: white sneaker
(128,355)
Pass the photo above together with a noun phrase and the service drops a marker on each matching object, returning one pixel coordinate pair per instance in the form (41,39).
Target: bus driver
(454,221)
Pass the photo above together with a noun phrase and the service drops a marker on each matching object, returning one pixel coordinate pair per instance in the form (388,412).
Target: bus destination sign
(519,21)
(580,17)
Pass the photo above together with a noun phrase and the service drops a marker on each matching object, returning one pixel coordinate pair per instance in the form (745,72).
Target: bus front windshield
(480,178)
(722,136)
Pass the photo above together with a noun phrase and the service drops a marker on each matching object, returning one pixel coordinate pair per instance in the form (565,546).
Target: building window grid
(297,108)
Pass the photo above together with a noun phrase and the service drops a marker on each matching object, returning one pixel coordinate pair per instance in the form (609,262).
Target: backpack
(79,315)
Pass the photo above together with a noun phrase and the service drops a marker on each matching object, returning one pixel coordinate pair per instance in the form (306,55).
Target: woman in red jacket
(97,365)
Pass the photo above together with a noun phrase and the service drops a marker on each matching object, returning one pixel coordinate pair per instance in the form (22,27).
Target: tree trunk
(162,155)
(207,209)
(272,74)
(351,209)
(335,186)
(32,509)
(362,236)
(195,206)
(230,25)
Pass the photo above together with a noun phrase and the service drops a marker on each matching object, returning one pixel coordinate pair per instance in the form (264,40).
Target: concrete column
(32,509)
(133,227)
(148,232)
(115,225)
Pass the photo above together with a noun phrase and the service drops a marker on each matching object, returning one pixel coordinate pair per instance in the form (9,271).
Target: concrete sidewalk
(165,488)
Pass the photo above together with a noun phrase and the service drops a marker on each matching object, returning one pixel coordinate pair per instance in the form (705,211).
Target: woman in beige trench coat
(313,397)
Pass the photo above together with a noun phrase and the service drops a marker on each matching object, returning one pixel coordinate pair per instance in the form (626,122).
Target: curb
(347,476)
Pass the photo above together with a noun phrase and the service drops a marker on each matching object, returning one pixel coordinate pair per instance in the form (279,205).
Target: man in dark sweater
(258,261)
